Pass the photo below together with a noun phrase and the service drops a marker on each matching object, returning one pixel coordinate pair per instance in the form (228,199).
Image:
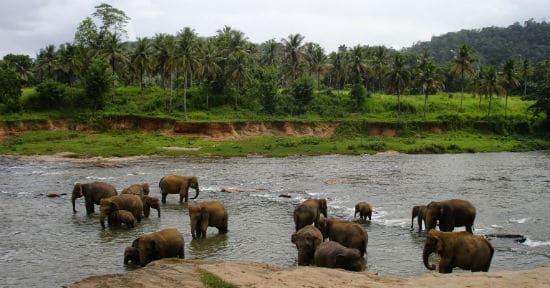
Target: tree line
(277,76)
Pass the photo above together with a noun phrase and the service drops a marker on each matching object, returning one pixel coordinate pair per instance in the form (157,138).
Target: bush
(50,94)
(358,94)
(10,90)
(98,81)
(302,92)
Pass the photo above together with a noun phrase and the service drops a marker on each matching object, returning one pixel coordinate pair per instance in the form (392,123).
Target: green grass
(131,143)
(212,281)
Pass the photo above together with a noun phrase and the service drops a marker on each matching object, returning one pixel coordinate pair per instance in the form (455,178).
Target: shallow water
(43,244)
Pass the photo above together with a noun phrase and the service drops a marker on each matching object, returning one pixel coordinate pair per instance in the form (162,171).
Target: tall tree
(46,61)
(113,20)
(357,64)
(541,90)
(293,53)
(70,61)
(317,61)
(398,77)
(21,64)
(490,85)
(379,63)
(209,64)
(187,55)
(511,81)
(141,58)
(239,65)
(429,76)
(525,72)
(462,65)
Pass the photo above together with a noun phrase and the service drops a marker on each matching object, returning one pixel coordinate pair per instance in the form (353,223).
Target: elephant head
(147,249)
(77,193)
(434,212)
(107,207)
(131,254)
(145,187)
(199,217)
(194,183)
(433,244)
(306,240)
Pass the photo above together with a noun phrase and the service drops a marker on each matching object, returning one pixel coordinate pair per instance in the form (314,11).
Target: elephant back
(129,202)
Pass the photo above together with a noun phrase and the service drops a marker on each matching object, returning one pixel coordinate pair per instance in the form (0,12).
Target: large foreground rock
(185,273)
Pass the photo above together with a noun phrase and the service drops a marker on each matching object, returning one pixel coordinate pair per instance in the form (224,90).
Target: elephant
(93,193)
(122,216)
(458,249)
(307,239)
(332,254)
(175,184)
(364,209)
(420,212)
(150,202)
(165,243)
(347,233)
(142,190)
(207,214)
(450,214)
(309,212)
(131,254)
(129,202)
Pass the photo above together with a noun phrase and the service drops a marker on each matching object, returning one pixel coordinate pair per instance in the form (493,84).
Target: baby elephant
(116,218)
(332,254)
(166,243)
(364,209)
(307,239)
(458,249)
(131,254)
(207,214)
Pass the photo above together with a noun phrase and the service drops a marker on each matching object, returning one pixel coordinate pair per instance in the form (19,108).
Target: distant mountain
(493,45)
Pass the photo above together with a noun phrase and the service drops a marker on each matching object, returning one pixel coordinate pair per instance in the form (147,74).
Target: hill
(493,45)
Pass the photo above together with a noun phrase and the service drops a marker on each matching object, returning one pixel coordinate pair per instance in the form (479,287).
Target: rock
(284,196)
(54,194)
(229,189)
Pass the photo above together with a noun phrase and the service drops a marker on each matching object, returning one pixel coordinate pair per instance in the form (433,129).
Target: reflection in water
(209,246)
(42,243)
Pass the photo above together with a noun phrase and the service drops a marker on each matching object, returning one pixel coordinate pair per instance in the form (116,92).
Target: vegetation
(225,77)
(212,281)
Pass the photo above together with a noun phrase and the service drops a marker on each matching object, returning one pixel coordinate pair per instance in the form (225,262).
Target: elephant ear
(114,206)
(294,237)
(135,243)
(439,246)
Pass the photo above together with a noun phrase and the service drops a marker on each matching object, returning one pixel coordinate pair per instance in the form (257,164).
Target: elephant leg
(445,266)
(419,224)
(469,229)
(164,198)
(89,206)
(181,253)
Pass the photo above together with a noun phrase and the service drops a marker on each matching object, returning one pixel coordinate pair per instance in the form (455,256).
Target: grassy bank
(446,128)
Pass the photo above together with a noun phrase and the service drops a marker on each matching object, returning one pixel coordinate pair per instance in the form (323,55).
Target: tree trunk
(490,100)
(425,101)
(461,88)
(185,94)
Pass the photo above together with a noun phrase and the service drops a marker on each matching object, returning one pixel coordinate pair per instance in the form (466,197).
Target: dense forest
(493,45)
(277,76)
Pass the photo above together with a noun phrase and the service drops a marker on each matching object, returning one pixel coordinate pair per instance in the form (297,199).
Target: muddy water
(43,244)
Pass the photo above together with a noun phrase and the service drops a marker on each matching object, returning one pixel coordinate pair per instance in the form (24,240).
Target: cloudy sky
(28,25)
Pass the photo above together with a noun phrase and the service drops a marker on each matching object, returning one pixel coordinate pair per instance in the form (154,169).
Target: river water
(43,244)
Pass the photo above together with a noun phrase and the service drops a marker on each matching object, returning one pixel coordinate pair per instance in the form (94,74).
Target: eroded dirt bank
(185,273)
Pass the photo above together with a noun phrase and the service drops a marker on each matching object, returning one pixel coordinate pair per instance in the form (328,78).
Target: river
(43,244)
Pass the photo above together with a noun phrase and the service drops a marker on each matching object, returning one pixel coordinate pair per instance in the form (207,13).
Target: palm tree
(47,61)
(238,63)
(318,59)
(293,53)
(140,58)
(525,72)
(209,63)
(186,53)
(462,65)
(490,84)
(429,77)
(379,64)
(113,51)
(162,52)
(510,79)
(69,60)
(357,64)
(398,77)
(270,52)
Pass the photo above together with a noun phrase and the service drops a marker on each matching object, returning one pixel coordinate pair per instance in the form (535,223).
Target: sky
(26,26)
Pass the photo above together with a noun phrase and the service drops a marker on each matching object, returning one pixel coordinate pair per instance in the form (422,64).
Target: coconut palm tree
(511,81)
(70,61)
(293,53)
(378,64)
(462,65)
(141,58)
(188,60)
(429,76)
(113,52)
(47,61)
(525,71)
(357,64)
(209,63)
(163,49)
(398,77)
(489,85)
(238,62)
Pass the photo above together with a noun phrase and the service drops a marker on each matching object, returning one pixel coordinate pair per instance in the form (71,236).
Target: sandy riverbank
(185,273)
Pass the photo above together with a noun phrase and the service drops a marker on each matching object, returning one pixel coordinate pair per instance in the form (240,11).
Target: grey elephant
(142,190)
(93,193)
(420,212)
(309,212)
(129,202)
(150,202)
(332,254)
(458,249)
(450,214)
(364,209)
(347,233)
(207,214)
(307,239)
(166,243)
(175,184)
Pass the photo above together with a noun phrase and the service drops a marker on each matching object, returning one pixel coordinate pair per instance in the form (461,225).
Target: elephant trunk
(102,219)
(158,210)
(73,199)
(425,254)
(197,194)
(302,255)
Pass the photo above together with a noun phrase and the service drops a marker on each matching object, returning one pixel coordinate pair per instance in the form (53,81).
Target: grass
(212,281)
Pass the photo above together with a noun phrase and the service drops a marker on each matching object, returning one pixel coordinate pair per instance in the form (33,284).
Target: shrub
(10,90)
(302,92)
(49,94)
(98,81)
(358,93)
